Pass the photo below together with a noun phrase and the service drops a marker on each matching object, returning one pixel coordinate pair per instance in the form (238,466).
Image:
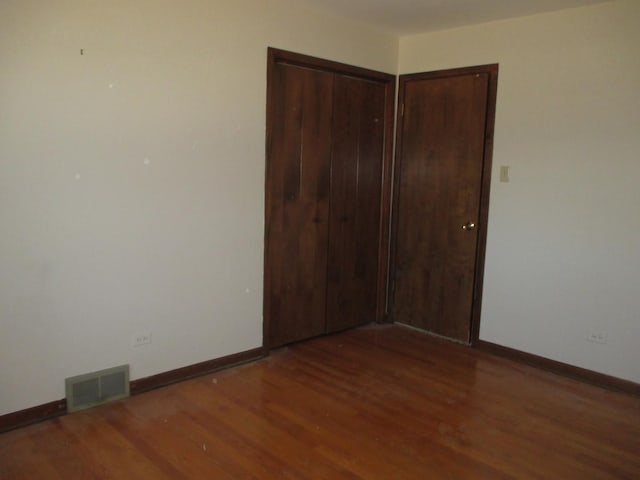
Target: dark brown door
(329,131)
(356,166)
(297,223)
(445,124)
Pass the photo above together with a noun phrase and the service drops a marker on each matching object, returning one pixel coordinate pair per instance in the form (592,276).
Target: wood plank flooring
(378,402)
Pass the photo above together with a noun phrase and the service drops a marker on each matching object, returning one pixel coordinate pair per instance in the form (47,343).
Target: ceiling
(413,16)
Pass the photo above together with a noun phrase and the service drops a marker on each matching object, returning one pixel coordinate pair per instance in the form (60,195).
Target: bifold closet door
(329,132)
(354,220)
(297,216)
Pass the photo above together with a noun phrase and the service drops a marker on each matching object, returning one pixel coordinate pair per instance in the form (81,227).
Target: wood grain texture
(380,402)
(329,136)
(54,409)
(441,171)
(354,225)
(298,179)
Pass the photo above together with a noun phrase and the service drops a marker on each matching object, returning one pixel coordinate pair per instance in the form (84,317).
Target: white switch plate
(504,173)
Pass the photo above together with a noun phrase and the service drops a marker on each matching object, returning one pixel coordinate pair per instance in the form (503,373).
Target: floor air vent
(92,389)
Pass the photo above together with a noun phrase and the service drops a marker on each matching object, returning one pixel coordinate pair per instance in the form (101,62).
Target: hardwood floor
(373,403)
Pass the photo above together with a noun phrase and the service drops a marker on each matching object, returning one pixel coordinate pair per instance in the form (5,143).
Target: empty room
(319,239)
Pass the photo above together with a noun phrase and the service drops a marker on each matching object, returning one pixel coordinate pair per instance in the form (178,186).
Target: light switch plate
(504,173)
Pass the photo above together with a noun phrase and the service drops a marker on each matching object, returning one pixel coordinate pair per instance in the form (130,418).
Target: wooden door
(329,132)
(356,187)
(443,166)
(297,218)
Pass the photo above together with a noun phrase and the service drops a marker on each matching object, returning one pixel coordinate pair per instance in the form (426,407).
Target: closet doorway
(328,165)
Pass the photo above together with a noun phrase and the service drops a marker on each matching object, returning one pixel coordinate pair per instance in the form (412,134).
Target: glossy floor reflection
(372,403)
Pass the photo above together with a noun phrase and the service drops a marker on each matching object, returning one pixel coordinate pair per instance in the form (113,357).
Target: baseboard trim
(25,417)
(46,411)
(142,385)
(578,373)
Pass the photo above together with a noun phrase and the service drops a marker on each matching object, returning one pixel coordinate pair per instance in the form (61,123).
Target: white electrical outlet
(597,337)
(142,338)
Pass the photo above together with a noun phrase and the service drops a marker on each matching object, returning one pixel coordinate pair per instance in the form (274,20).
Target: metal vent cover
(96,388)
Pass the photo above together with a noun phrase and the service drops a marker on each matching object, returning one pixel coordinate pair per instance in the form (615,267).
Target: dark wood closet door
(329,137)
(299,160)
(441,161)
(354,225)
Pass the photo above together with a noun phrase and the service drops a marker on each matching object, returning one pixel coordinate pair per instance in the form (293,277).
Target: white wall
(132,178)
(563,253)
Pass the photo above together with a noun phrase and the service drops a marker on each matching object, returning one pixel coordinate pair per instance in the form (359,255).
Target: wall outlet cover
(597,337)
(141,338)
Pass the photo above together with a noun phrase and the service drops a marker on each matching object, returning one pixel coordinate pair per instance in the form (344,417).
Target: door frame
(275,57)
(492,71)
